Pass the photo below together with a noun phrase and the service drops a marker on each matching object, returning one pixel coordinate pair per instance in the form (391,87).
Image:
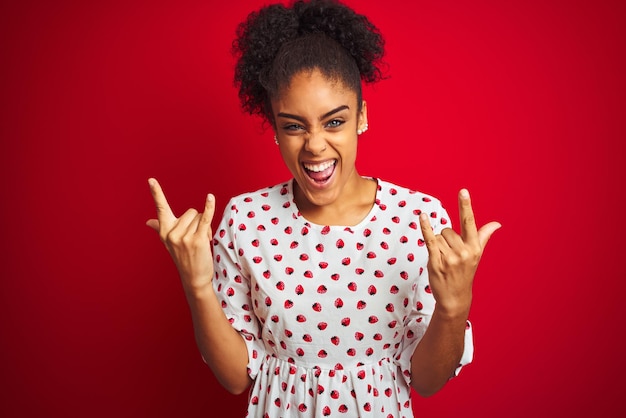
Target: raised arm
(188,240)
(453,260)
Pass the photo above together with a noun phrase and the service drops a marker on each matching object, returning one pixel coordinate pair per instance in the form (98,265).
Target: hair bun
(260,37)
(352,31)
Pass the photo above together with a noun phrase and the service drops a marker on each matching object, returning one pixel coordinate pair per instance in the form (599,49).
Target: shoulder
(398,200)
(388,191)
(263,198)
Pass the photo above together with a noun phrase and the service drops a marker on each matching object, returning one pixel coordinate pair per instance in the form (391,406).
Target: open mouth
(322,172)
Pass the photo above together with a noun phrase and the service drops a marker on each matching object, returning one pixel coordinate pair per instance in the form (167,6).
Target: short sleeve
(423,306)
(232,286)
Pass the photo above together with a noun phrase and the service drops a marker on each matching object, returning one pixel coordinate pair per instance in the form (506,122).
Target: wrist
(453,312)
(197,290)
(196,279)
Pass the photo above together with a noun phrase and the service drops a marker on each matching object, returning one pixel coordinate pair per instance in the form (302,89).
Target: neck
(356,201)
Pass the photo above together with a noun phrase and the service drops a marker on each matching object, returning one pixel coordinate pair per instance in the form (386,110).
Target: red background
(523,102)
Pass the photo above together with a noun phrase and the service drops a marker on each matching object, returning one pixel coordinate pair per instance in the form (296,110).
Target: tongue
(321,175)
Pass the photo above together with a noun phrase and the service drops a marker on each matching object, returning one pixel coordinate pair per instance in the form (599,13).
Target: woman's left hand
(453,258)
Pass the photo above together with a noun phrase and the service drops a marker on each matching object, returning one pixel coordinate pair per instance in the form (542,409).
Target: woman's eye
(334,123)
(292,127)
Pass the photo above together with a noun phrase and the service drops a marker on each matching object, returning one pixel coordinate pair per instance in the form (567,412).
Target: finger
(164,212)
(181,227)
(153,223)
(451,238)
(430,239)
(188,221)
(442,245)
(192,226)
(469,234)
(204,227)
(485,232)
(427,229)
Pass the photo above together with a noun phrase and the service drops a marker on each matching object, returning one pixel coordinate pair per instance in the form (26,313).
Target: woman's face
(316,122)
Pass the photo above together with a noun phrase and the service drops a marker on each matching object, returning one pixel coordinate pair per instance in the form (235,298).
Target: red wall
(523,102)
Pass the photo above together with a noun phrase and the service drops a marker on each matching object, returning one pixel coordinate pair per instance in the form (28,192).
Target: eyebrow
(324,116)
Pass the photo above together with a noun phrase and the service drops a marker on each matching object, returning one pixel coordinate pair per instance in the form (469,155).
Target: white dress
(331,315)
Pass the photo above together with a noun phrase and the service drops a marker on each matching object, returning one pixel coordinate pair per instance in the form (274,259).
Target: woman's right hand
(188,238)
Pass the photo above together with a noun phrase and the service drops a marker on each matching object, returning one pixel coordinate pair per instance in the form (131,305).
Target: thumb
(153,223)
(485,232)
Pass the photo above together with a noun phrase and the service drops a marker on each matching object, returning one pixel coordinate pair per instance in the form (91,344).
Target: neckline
(366,219)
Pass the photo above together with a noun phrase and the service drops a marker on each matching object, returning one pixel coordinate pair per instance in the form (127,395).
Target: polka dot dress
(331,315)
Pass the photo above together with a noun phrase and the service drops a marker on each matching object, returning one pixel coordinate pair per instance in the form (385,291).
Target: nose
(315,143)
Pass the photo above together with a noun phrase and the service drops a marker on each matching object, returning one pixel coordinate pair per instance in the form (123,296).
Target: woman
(331,293)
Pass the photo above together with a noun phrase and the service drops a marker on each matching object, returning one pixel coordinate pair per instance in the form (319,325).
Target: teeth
(319,167)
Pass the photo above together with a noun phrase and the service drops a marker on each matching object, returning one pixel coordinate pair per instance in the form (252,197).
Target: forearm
(439,352)
(221,346)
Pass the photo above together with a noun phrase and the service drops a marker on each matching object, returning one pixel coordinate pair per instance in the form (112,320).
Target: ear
(362,119)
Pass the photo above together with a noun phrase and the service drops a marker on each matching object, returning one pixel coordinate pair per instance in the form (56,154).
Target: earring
(362,131)
(275,140)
